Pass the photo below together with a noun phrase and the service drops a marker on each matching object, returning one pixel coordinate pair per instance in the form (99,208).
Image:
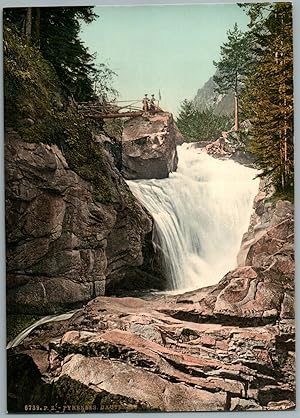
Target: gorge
(149,260)
(227,344)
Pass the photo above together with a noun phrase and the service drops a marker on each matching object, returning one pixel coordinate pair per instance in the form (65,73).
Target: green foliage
(31,87)
(55,32)
(268,95)
(196,125)
(35,108)
(15,323)
(185,120)
(75,136)
(61,45)
(231,68)
(114,128)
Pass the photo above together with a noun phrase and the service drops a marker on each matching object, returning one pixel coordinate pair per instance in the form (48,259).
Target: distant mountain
(223,104)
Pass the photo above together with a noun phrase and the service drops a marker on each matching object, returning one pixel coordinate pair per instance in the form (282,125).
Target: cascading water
(201,212)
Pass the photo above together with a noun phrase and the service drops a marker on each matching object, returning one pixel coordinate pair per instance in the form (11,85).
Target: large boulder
(179,139)
(149,146)
(63,246)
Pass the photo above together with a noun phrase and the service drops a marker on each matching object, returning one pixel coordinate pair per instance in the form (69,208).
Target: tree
(196,125)
(186,119)
(26,20)
(37,26)
(55,31)
(231,68)
(61,45)
(28,24)
(268,94)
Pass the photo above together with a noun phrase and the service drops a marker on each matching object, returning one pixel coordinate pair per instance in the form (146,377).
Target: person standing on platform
(152,103)
(146,103)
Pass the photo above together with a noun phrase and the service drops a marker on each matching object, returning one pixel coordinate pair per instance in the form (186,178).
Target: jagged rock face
(113,148)
(207,97)
(62,246)
(149,147)
(179,139)
(226,347)
(269,241)
(162,354)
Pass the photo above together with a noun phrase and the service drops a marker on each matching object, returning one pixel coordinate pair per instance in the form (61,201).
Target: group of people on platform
(149,104)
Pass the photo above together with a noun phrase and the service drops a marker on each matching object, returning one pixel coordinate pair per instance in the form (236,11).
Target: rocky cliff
(149,146)
(227,347)
(63,246)
(206,97)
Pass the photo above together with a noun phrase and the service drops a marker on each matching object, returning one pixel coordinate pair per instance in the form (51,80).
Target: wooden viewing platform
(94,110)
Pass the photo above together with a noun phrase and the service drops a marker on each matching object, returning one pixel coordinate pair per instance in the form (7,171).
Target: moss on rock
(36,108)
(16,323)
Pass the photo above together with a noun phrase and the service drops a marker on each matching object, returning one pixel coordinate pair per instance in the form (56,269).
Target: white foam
(201,212)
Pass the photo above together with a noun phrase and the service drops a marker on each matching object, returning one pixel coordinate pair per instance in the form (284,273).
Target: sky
(170,49)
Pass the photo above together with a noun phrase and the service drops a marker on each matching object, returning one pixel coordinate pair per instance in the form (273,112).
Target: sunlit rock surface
(167,354)
(149,146)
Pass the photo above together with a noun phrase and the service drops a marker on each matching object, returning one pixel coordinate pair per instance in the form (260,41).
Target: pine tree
(55,31)
(60,44)
(186,118)
(268,94)
(231,68)
(196,125)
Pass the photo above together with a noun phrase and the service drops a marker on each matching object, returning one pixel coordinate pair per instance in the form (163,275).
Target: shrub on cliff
(31,88)
(38,110)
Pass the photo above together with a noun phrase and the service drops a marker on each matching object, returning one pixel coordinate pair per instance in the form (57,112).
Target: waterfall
(200,213)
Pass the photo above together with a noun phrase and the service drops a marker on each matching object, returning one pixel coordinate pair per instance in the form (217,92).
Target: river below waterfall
(200,213)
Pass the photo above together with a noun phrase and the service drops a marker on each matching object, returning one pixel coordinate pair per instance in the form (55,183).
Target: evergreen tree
(60,44)
(196,125)
(186,119)
(231,68)
(55,31)
(268,95)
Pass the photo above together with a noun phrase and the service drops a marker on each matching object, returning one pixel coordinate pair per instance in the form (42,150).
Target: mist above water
(200,212)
